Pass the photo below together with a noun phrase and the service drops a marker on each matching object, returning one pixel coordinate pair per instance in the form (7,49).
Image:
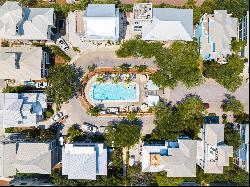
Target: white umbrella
(143,78)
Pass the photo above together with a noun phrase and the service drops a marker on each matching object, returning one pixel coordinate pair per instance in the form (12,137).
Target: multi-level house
(101,22)
(212,153)
(244,36)
(214,35)
(242,155)
(19,23)
(163,24)
(21,109)
(23,63)
(178,159)
(27,157)
(84,161)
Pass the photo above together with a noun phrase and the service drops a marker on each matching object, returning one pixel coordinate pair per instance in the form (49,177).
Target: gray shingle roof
(7,157)
(214,139)
(169,24)
(33,23)
(222,27)
(33,158)
(29,60)
(179,162)
(15,109)
(84,161)
(26,157)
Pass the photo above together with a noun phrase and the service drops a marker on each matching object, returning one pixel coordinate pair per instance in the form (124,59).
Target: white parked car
(41,84)
(56,117)
(62,44)
(90,128)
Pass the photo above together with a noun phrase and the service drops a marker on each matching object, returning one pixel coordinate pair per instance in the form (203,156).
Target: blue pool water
(114,92)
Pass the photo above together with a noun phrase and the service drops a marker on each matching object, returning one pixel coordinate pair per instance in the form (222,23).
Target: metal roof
(84,161)
(21,63)
(169,24)
(101,10)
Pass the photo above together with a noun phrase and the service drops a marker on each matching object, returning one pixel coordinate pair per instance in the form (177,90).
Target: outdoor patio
(148,95)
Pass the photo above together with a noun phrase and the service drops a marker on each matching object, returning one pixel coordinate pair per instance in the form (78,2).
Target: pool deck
(123,105)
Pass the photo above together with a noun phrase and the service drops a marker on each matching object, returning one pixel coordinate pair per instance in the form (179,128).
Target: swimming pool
(115,92)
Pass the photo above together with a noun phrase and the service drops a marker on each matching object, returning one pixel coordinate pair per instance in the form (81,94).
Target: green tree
(238,8)
(122,135)
(75,134)
(139,48)
(92,67)
(167,127)
(185,118)
(59,52)
(141,68)
(47,134)
(61,83)
(162,179)
(94,110)
(232,136)
(233,105)
(171,70)
(131,116)
(237,46)
(227,75)
(61,180)
(101,79)
(17,89)
(191,113)
(124,68)
(116,79)
(242,118)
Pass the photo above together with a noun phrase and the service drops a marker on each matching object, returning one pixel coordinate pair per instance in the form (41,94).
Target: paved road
(210,91)
(107,58)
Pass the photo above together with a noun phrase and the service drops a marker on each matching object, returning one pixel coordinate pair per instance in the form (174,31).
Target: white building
(23,63)
(101,22)
(18,23)
(242,159)
(23,109)
(215,33)
(178,159)
(84,161)
(163,24)
(244,35)
(212,153)
(27,157)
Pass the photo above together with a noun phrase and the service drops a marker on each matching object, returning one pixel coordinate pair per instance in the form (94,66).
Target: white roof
(169,24)
(21,63)
(84,161)
(214,154)
(179,159)
(101,22)
(32,23)
(26,157)
(17,110)
(219,32)
(101,27)
(152,86)
(152,100)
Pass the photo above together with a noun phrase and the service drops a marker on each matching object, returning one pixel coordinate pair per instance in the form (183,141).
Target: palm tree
(101,79)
